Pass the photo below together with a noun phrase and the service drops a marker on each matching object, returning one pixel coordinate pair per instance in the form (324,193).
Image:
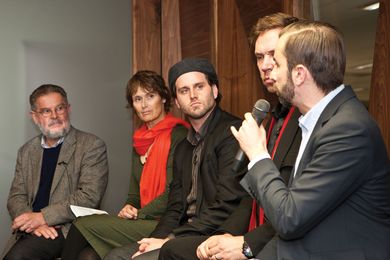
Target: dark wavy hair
(151,82)
(269,22)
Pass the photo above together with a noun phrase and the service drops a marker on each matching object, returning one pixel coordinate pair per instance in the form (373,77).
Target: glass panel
(358,26)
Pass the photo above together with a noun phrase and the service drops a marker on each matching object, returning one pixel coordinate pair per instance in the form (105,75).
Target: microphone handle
(238,160)
(240,156)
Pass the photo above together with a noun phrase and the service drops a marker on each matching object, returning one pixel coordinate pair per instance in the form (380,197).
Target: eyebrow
(271,52)
(185,86)
(199,83)
(194,84)
(38,110)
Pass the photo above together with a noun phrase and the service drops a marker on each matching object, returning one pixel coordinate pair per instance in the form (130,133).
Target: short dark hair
(320,48)
(269,22)
(44,90)
(150,81)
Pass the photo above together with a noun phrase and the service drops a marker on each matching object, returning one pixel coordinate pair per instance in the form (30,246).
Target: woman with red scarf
(154,143)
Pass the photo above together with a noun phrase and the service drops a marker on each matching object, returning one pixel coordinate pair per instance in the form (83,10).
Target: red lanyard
(273,122)
(252,223)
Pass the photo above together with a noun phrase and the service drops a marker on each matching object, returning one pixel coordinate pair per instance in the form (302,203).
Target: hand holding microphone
(251,138)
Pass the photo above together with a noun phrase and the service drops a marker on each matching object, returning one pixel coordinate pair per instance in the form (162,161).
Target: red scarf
(153,178)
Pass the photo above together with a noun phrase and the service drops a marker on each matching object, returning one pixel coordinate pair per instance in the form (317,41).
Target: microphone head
(260,110)
(261,105)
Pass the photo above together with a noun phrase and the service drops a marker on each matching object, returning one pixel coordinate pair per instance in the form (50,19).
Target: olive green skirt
(105,232)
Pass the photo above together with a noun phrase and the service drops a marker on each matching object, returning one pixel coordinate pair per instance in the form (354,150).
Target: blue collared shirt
(308,121)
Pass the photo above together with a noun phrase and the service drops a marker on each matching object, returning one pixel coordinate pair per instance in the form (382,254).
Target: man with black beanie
(204,190)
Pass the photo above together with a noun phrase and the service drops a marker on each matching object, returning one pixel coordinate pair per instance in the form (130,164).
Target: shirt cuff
(171,236)
(258,158)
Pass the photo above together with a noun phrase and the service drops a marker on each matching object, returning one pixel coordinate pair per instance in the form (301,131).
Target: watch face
(246,250)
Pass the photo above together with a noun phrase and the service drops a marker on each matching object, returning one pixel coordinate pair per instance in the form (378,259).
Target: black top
(49,163)
(218,189)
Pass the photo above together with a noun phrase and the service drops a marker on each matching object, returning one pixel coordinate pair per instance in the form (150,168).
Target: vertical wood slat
(170,40)
(297,8)
(196,23)
(379,102)
(160,29)
(146,35)
(239,81)
(250,11)
(146,39)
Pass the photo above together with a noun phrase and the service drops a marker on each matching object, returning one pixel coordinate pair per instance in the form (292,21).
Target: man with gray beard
(61,167)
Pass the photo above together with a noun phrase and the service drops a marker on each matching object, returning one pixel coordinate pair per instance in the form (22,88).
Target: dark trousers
(31,247)
(123,252)
(183,248)
(77,247)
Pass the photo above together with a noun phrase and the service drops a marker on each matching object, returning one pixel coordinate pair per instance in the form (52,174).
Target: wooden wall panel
(297,8)
(250,11)
(171,51)
(146,47)
(146,40)
(238,77)
(379,104)
(165,31)
(170,35)
(195,20)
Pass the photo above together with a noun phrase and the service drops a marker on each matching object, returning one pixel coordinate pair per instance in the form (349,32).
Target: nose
(53,114)
(144,102)
(268,63)
(193,93)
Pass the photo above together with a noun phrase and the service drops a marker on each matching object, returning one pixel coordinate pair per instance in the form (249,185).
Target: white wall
(83,46)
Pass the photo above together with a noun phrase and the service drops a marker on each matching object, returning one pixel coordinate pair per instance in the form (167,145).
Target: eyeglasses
(59,110)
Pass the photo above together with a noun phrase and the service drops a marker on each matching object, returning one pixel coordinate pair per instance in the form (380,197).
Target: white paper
(83,211)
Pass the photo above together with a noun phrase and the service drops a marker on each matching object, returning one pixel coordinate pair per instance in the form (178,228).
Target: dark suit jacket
(338,205)
(219,191)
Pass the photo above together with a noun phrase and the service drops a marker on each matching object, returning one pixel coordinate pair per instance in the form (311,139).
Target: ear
(34,117)
(177,103)
(215,91)
(164,100)
(299,74)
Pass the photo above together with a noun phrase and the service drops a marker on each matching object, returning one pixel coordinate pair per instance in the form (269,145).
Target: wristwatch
(246,250)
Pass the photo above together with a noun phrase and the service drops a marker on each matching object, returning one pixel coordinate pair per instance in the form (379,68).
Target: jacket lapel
(35,162)
(346,94)
(287,138)
(213,123)
(65,156)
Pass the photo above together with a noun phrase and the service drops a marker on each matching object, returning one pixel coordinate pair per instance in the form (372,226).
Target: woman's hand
(128,212)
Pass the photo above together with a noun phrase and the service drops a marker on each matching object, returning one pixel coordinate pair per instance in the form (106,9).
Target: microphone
(259,112)
(65,164)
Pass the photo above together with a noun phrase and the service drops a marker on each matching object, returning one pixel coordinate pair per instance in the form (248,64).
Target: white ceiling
(358,27)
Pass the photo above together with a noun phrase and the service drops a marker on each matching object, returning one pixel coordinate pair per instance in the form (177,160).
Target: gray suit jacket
(338,204)
(80,178)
